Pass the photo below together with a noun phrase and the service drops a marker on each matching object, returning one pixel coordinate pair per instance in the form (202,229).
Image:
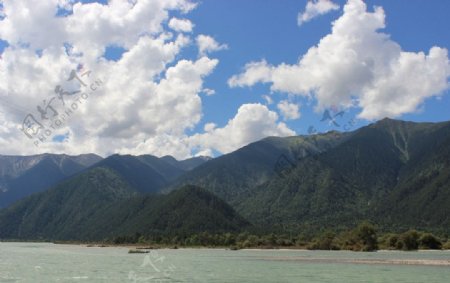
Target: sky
(189,78)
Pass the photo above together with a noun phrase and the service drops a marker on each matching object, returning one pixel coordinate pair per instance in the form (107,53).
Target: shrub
(429,241)
(392,242)
(367,235)
(326,241)
(362,238)
(410,240)
(446,246)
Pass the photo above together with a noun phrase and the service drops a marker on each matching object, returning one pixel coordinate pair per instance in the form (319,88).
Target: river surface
(45,262)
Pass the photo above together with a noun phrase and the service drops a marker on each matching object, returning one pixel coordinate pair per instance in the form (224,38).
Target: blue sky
(262,36)
(268,29)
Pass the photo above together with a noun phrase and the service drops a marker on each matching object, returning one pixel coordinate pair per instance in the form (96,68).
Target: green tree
(242,237)
(326,241)
(367,235)
(410,240)
(446,245)
(252,241)
(391,241)
(429,241)
(229,239)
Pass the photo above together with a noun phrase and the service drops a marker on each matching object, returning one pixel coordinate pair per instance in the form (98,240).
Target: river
(46,262)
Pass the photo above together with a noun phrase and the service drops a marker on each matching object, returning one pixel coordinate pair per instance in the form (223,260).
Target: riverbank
(362,238)
(275,248)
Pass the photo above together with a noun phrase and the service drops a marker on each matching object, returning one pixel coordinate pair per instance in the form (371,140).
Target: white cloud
(66,4)
(208,91)
(28,23)
(254,72)
(251,123)
(357,62)
(207,44)
(209,127)
(183,25)
(206,152)
(268,99)
(290,111)
(315,8)
(143,106)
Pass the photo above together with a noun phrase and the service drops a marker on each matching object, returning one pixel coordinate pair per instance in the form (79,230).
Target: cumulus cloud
(315,8)
(145,102)
(252,122)
(209,127)
(148,98)
(207,44)
(183,25)
(255,72)
(290,111)
(356,62)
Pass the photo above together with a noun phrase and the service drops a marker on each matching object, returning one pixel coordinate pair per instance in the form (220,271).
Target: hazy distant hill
(21,176)
(147,173)
(187,164)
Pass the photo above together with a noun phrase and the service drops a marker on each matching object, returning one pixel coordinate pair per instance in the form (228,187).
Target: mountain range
(394,173)
(21,176)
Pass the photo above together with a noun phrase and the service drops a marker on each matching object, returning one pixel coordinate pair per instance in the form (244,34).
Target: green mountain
(61,212)
(187,164)
(187,210)
(21,176)
(233,175)
(100,204)
(147,173)
(421,197)
(394,173)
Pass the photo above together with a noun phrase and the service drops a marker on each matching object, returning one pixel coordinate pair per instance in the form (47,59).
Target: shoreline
(173,247)
(421,262)
(145,249)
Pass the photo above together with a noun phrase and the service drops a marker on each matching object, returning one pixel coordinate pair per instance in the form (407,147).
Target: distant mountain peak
(390,121)
(204,157)
(21,176)
(168,158)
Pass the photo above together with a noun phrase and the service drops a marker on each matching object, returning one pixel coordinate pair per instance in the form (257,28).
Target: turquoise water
(43,262)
